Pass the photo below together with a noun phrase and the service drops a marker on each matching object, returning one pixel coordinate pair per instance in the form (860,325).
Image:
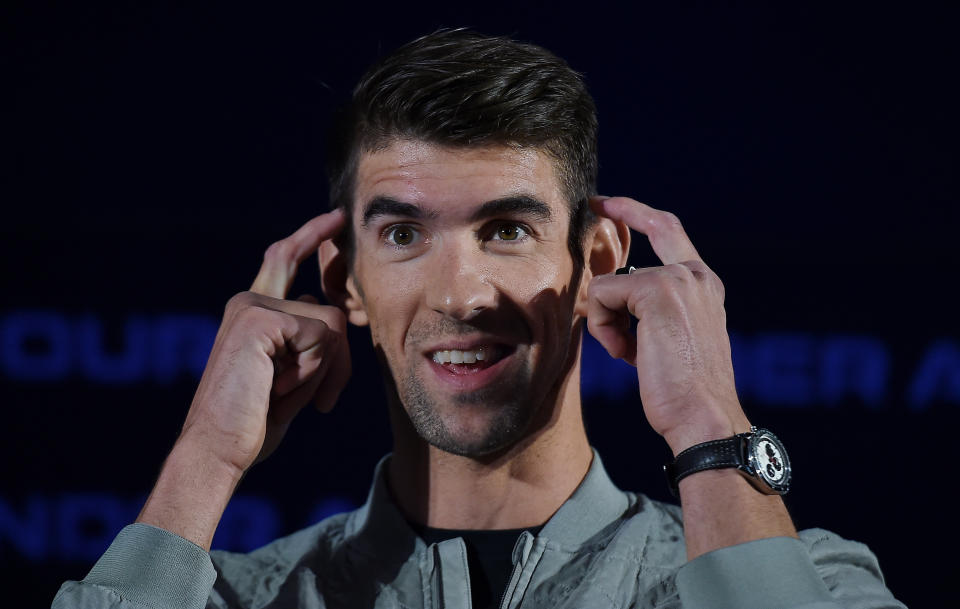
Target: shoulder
(648,512)
(248,576)
(650,530)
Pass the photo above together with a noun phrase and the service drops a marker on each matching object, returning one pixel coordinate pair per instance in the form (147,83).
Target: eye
(401,235)
(509,232)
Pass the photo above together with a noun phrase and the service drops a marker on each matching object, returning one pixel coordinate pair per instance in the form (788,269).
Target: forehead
(423,173)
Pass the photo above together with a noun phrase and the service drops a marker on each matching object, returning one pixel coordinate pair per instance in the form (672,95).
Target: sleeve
(819,571)
(145,567)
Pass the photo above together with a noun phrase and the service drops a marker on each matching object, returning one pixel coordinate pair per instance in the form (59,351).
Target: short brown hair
(462,89)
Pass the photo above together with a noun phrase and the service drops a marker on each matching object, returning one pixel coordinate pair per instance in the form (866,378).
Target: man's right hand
(270,358)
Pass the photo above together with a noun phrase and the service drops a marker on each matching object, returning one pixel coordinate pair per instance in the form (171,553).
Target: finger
(295,368)
(308,306)
(335,380)
(614,300)
(310,352)
(324,387)
(608,317)
(667,237)
(246,303)
(288,335)
(284,409)
(281,260)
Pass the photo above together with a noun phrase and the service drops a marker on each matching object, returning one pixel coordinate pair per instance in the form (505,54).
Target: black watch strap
(716,454)
(757,455)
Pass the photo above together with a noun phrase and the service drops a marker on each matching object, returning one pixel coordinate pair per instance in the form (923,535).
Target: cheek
(529,277)
(543,289)
(390,304)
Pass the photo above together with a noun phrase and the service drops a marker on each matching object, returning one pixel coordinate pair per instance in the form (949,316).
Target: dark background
(152,152)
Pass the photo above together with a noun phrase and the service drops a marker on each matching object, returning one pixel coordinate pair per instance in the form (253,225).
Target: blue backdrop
(151,153)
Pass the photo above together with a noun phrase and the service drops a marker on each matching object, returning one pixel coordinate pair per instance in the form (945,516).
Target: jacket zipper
(503,595)
(511,585)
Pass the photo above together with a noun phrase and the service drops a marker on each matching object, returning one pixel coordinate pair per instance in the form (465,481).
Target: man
(467,236)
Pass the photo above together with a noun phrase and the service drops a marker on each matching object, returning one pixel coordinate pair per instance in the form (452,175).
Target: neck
(519,487)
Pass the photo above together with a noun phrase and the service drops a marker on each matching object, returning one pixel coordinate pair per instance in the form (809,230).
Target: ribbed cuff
(155,568)
(774,573)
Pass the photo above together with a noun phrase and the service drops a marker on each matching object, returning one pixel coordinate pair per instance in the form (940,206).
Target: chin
(474,423)
(466,433)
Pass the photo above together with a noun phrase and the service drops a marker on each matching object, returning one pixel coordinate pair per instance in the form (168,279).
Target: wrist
(707,430)
(191,493)
(196,445)
(721,509)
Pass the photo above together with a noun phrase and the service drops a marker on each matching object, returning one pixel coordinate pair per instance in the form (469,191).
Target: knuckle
(705,274)
(669,221)
(333,340)
(671,283)
(596,286)
(698,269)
(593,287)
(333,319)
(327,334)
(248,314)
(678,272)
(278,251)
(338,317)
(718,286)
(662,280)
(239,302)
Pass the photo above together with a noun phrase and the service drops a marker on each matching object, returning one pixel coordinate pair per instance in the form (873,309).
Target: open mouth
(470,361)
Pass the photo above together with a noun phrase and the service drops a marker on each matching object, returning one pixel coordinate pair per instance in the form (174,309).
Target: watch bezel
(756,473)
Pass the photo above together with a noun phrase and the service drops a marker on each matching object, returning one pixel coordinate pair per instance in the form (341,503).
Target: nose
(459,285)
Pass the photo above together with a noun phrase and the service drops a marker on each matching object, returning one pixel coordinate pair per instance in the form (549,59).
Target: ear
(338,283)
(606,249)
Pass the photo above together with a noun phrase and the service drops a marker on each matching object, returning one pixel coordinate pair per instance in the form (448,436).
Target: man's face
(465,276)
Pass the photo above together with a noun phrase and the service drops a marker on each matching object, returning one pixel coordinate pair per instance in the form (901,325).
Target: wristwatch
(757,454)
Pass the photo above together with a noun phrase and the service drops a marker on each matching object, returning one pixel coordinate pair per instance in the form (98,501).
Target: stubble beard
(509,402)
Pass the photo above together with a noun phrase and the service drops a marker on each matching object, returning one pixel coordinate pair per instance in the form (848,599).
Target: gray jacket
(603,548)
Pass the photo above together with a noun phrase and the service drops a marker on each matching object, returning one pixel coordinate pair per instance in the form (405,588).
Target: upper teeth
(456,356)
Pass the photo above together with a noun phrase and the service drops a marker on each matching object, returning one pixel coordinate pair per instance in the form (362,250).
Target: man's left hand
(680,348)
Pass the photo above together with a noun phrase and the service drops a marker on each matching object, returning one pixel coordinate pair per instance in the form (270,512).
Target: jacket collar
(379,527)
(595,504)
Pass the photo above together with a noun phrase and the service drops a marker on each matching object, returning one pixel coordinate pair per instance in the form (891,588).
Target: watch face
(769,460)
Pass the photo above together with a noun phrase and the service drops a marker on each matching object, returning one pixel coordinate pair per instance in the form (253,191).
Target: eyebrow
(517,205)
(522,205)
(385,206)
